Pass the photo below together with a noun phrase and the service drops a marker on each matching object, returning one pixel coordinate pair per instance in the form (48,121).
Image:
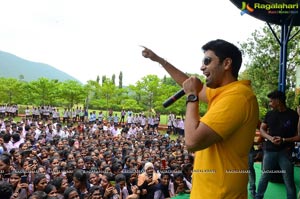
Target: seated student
(121,185)
(147,181)
(20,187)
(187,173)
(38,195)
(179,185)
(107,189)
(71,193)
(5,159)
(95,192)
(39,182)
(131,179)
(61,184)
(50,190)
(81,182)
(162,190)
(94,179)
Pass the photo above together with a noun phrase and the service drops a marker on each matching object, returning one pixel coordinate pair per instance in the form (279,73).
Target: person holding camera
(147,181)
(19,184)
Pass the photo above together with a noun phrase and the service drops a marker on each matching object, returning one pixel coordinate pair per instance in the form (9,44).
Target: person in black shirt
(279,128)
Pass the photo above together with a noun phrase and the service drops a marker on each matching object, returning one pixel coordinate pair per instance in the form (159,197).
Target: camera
(24,179)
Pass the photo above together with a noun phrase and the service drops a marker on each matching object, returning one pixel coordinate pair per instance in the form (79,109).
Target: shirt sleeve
(226,115)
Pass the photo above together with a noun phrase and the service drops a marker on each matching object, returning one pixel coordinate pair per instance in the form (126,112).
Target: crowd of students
(42,158)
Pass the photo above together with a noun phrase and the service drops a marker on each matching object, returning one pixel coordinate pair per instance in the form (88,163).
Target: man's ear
(227,63)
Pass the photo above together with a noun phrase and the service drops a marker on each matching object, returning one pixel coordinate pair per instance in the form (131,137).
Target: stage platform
(276,190)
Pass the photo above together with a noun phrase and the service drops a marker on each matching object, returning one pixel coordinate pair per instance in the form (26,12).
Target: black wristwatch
(192,98)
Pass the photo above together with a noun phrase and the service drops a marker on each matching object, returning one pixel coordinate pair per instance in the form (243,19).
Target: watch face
(192,98)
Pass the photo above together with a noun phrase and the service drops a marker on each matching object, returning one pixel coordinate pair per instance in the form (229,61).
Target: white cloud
(86,38)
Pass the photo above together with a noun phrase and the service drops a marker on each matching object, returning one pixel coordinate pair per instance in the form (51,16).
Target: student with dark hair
(126,162)
(94,179)
(6,190)
(162,189)
(2,144)
(20,186)
(95,192)
(80,163)
(108,190)
(39,182)
(51,190)
(6,140)
(70,168)
(179,185)
(71,193)
(131,179)
(80,180)
(53,162)
(61,185)
(187,171)
(38,195)
(88,162)
(116,168)
(121,185)
(4,164)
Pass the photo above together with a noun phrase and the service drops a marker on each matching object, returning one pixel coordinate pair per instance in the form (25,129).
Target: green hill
(12,66)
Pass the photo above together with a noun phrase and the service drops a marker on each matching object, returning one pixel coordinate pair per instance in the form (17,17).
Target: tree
(136,92)
(103,79)
(72,92)
(113,79)
(131,104)
(148,91)
(262,69)
(121,80)
(90,88)
(121,96)
(164,92)
(11,90)
(92,92)
(43,91)
(169,81)
(169,88)
(108,91)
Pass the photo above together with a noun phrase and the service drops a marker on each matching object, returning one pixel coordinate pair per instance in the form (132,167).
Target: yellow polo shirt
(221,170)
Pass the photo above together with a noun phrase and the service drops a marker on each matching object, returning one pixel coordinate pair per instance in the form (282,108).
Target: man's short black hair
(277,95)
(223,50)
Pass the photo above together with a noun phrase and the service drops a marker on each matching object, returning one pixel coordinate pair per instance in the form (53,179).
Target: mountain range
(12,66)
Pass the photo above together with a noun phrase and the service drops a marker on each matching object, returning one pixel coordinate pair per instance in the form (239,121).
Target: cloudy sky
(86,38)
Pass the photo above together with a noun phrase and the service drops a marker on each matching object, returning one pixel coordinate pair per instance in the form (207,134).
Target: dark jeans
(270,160)
(252,176)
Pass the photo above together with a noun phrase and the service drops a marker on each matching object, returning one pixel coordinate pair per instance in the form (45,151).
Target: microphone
(174,98)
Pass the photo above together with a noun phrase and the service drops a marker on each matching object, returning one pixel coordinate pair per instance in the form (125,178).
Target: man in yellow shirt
(222,138)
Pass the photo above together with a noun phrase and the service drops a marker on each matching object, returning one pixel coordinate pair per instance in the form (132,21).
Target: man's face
(212,69)
(274,103)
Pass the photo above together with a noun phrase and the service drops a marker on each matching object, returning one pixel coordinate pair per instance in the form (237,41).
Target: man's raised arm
(174,72)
